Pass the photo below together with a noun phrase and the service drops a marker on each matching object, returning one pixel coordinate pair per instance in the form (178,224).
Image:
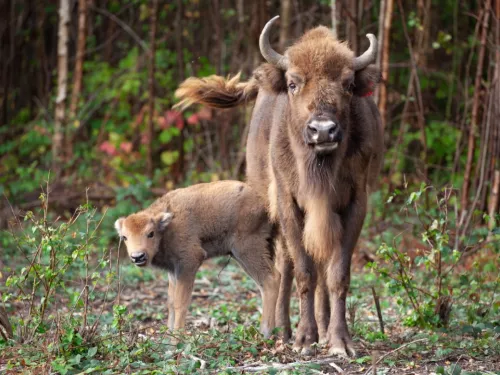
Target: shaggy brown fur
(319,198)
(186,226)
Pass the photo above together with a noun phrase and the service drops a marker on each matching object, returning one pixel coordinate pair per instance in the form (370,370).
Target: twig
(379,311)
(336,367)
(392,352)
(285,366)
(455,365)
(123,25)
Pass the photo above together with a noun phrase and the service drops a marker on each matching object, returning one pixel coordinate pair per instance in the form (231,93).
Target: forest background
(88,134)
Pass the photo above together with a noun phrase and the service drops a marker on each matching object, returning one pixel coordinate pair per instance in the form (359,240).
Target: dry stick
(392,352)
(379,311)
(283,366)
(151,79)
(471,143)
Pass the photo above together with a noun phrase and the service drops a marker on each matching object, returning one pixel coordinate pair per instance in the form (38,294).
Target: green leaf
(92,352)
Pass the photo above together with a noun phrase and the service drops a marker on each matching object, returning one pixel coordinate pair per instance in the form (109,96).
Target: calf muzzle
(139,258)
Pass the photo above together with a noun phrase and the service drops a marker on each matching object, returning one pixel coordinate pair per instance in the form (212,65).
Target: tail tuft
(215,92)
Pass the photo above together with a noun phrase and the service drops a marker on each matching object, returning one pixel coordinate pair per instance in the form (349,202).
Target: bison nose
(138,257)
(322,131)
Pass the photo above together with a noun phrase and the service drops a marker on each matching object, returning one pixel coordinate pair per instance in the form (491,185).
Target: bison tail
(216,92)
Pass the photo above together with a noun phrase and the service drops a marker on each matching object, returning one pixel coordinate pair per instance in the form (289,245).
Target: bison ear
(164,219)
(119,225)
(270,78)
(365,80)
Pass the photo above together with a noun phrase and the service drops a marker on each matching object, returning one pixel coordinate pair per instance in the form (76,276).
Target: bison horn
(369,56)
(267,51)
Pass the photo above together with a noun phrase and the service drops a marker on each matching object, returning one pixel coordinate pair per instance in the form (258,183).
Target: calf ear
(119,224)
(365,80)
(164,219)
(270,78)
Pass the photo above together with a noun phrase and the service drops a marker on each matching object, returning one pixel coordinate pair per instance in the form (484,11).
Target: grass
(78,308)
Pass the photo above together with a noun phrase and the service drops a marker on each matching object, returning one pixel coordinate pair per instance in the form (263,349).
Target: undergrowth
(76,309)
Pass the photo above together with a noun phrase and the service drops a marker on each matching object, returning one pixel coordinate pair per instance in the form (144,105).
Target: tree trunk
(285,14)
(352,25)
(78,74)
(5,327)
(80,54)
(384,43)
(464,200)
(62,79)
(333,5)
(152,51)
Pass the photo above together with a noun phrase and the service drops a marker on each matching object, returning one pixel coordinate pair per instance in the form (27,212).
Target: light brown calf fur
(186,226)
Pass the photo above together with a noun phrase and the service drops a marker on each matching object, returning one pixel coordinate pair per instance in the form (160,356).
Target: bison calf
(186,226)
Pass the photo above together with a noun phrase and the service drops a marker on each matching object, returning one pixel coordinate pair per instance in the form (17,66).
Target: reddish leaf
(193,119)
(126,147)
(205,113)
(108,148)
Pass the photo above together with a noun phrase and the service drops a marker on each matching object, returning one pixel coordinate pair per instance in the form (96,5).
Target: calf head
(142,233)
(320,75)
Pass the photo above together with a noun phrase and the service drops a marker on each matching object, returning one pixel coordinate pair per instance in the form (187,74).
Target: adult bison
(314,147)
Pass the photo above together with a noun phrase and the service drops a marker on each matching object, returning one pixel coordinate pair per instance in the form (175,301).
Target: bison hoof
(306,336)
(341,345)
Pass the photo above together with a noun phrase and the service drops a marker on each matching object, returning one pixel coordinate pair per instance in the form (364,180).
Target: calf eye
(124,238)
(292,87)
(151,234)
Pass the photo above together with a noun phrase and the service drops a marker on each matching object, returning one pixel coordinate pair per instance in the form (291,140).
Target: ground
(222,334)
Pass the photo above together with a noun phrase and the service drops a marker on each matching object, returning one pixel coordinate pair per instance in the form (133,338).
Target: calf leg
(285,268)
(171,297)
(185,275)
(292,225)
(253,254)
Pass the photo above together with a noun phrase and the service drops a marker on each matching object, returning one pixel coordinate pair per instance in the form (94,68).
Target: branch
(123,25)
(392,352)
(287,366)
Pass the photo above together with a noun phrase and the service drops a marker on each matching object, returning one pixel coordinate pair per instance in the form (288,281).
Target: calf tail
(216,92)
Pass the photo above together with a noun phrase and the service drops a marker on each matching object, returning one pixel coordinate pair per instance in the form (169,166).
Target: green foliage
(428,282)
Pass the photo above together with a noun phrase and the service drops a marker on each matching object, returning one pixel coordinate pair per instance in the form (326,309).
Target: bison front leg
(285,267)
(292,224)
(322,306)
(338,278)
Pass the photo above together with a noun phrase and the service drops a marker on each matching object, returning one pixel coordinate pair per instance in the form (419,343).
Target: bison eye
(124,238)
(292,87)
(151,234)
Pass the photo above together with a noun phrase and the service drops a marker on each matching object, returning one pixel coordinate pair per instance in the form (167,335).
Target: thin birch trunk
(285,13)
(333,5)
(384,58)
(62,80)
(152,51)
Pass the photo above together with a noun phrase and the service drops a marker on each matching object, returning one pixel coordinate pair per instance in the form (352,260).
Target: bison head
(320,75)
(142,233)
